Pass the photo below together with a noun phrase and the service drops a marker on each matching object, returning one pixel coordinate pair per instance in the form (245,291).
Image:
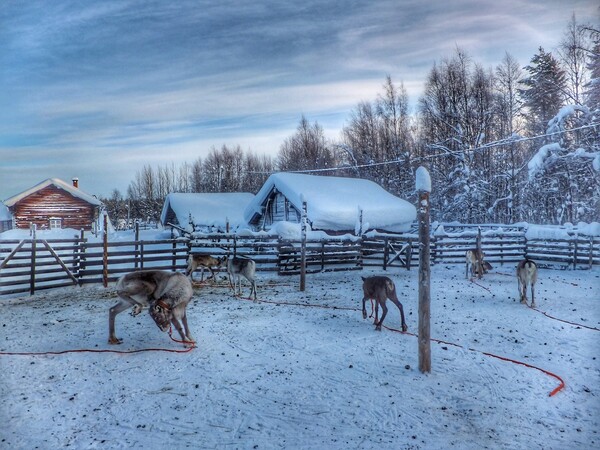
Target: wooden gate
(35,264)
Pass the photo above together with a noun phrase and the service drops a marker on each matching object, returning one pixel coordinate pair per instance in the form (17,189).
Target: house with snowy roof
(54,203)
(333,204)
(206,212)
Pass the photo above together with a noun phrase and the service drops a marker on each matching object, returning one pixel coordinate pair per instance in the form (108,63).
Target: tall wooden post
(303,249)
(105,252)
(423,185)
(33,255)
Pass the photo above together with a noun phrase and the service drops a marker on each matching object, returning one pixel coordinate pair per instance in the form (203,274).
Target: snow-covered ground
(284,376)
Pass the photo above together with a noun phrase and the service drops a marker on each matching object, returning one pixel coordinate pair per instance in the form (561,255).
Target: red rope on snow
(89,350)
(120,352)
(562,320)
(502,358)
(439,341)
(480,285)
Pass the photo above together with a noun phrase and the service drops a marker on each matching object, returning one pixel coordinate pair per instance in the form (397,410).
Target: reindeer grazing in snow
(203,261)
(238,267)
(475,261)
(167,294)
(527,275)
(380,289)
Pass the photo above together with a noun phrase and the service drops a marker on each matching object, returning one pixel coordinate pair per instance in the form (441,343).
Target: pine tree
(543,91)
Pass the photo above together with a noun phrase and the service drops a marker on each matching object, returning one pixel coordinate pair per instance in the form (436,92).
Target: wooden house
(53,204)
(335,205)
(206,212)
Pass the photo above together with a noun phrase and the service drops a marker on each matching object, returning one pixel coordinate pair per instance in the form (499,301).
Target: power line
(498,143)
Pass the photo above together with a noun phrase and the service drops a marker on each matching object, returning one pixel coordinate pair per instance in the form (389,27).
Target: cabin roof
(75,192)
(208,209)
(333,203)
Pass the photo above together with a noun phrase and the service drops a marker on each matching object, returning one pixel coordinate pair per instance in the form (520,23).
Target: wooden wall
(52,202)
(280,209)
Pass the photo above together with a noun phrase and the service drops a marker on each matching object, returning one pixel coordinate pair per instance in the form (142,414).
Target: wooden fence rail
(33,264)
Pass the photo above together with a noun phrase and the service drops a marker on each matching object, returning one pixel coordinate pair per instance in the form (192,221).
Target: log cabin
(55,204)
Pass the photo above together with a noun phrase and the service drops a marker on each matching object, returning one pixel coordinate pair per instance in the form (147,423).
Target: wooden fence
(33,264)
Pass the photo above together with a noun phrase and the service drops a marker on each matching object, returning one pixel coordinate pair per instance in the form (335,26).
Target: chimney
(76,182)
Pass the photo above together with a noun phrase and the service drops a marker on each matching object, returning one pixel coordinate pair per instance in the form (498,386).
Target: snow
(562,232)
(423,180)
(333,203)
(538,160)
(76,192)
(285,376)
(209,209)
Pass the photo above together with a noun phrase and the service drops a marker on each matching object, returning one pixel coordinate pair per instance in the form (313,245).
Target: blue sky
(97,89)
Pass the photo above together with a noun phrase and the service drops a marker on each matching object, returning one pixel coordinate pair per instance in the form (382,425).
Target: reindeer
(167,294)
(381,288)
(527,274)
(204,261)
(238,267)
(474,260)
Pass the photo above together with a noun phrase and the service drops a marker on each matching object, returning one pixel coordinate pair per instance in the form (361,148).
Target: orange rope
(562,320)
(89,350)
(439,341)
(120,352)
(193,344)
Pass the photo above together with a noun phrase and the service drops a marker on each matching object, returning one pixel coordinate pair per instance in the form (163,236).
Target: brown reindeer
(380,289)
(167,294)
(527,275)
(475,261)
(203,261)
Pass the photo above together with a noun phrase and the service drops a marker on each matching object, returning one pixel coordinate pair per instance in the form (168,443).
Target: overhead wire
(501,142)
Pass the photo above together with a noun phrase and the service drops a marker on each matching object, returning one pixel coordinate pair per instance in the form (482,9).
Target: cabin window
(55,224)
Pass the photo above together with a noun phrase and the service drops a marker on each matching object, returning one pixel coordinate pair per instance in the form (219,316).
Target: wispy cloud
(97,89)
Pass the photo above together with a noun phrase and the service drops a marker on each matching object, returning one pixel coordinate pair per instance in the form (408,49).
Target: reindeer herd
(167,294)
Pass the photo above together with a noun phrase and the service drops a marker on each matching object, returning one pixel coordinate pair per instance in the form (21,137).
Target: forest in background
(502,145)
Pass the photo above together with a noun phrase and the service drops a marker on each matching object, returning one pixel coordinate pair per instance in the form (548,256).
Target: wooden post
(81,261)
(359,232)
(105,252)
(575,250)
(386,252)
(136,239)
(423,184)
(303,249)
(174,260)
(33,254)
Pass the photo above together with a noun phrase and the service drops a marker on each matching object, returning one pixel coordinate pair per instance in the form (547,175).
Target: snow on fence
(33,264)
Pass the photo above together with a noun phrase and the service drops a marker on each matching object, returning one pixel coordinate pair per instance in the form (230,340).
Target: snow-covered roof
(208,209)
(333,203)
(75,192)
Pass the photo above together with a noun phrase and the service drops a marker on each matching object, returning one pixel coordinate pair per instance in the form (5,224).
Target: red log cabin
(54,203)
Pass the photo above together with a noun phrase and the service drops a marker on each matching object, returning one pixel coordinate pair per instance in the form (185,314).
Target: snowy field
(284,376)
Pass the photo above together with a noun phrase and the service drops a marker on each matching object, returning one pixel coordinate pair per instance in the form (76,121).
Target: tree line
(503,144)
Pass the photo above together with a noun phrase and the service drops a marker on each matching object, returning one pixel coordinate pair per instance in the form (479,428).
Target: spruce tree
(543,91)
